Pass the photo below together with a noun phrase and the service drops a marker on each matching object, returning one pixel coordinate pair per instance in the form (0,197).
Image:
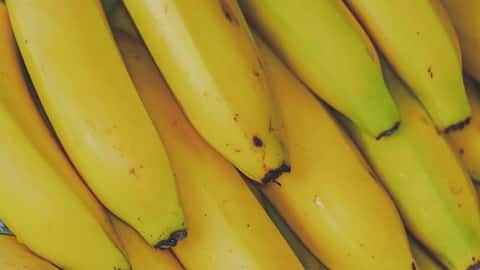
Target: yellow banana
(42,198)
(423,51)
(423,259)
(427,181)
(309,261)
(324,45)
(329,199)
(228,229)
(100,120)
(466,142)
(140,254)
(464,15)
(207,55)
(15,256)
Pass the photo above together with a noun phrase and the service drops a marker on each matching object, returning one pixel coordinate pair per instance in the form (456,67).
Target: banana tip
(388,132)
(172,240)
(458,126)
(475,266)
(272,175)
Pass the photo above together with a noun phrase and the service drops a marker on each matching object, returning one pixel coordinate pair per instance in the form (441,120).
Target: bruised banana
(208,57)
(228,229)
(423,259)
(426,179)
(93,106)
(327,49)
(466,142)
(42,199)
(423,51)
(140,254)
(464,15)
(309,261)
(329,181)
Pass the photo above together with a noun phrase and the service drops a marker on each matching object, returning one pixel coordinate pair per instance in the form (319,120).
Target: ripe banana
(228,229)
(423,259)
(207,55)
(140,254)
(322,42)
(15,256)
(329,181)
(423,51)
(309,261)
(100,120)
(42,198)
(465,18)
(427,181)
(466,142)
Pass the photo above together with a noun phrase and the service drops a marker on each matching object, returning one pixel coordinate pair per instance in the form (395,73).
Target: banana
(327,49)
(15,256)
(464,16)
(42,198)
(424,52)
(228,229)
(423,259)
(206,53)
(466,142)
(309,261)
(94,108)
(432,190)
(330,199)
(140,254)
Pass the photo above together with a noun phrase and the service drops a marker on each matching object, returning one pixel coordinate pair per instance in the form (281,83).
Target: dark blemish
(256,73)
(425,120)
(272,175)
(461,151)
(430,72)
(227,11)
(235,117)
(174,123)
(172,240)
(362,245)
(475,266)
(205,215)
(133,171)
(139,219)
(373,257)
(165,9)
(257,141)
(26,41)
(236,150)
(140,166)
(418,33)
(349,254)
(388,132)
(248,226)
(458,126)
(459,205)
(414,267)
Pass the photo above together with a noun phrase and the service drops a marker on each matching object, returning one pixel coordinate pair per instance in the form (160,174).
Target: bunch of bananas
(239,134)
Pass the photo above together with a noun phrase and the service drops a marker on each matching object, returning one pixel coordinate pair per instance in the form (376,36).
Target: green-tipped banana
(324,45)
(427,181)
(418,40)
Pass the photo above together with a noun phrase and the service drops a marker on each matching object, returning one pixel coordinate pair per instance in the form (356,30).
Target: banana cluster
(239,134)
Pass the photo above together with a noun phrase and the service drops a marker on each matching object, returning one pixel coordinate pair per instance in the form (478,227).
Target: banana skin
(100,121)
(208,57)
(228,229)
(428,182)
(329,181)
